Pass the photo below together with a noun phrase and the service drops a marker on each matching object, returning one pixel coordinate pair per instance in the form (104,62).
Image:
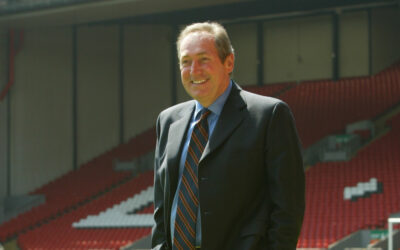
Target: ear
(229,63)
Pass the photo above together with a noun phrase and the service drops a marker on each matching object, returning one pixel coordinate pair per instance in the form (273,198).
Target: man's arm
(285,180)
(158,234)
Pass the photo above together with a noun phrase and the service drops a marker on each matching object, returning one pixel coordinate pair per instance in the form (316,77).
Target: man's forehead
(198,43)
(185,53)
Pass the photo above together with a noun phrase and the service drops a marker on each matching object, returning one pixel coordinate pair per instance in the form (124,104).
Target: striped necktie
(188,202)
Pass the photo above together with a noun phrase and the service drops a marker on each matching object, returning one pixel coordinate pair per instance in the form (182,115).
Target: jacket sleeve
(158,234)
(286,181)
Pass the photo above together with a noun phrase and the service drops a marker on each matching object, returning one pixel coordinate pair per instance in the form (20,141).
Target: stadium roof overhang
(70,12)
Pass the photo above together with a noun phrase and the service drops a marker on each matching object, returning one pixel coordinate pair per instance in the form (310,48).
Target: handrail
(11,61)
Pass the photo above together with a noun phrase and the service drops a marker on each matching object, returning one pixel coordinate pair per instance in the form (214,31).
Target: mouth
(198,82)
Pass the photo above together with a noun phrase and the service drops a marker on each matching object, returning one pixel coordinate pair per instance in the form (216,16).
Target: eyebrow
(198,54)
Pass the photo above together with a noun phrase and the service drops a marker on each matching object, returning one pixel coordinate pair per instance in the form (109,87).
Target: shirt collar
(217,105)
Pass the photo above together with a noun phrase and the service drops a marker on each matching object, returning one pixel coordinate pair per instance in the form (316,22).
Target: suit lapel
(231,116)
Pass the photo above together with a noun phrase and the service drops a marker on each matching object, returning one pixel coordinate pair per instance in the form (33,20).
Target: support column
(369,42)
(174,63)
(335,47)
(121,83)
(260,53)
(74,98)
(4,123)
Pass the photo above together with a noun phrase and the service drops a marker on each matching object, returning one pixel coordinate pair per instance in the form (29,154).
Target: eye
(204,59)
(185,62)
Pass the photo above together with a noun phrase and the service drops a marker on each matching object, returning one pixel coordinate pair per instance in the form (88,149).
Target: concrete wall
(180,91)
(3,115)
(357,239)
(384,244)
(353,44)
(298,49)
(97,90)
(147,76)
(244,41)
(41,126)
(385,38)
(41,101)
(181,94)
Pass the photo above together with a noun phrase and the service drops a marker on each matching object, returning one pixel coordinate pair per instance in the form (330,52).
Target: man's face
(204,76)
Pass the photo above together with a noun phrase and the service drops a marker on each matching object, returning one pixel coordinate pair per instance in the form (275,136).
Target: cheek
(184,74)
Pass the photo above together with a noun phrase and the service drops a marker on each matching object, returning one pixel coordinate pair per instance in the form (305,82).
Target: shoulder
(175,112)
(260,102)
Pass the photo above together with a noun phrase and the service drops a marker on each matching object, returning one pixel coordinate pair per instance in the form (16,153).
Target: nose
(194,68)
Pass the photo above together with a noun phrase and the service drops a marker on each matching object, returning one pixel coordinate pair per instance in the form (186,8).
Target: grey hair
(222,41)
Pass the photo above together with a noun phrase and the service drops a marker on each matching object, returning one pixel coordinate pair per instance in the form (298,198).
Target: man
(228,166)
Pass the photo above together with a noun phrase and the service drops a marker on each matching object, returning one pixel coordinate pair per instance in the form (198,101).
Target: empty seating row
(329,217)
(76,187)
(60,232)
(326,107)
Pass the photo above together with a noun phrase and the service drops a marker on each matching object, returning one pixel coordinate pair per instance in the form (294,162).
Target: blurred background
(82,83)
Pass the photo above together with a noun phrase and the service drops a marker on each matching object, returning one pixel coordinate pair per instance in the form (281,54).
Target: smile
(199,81)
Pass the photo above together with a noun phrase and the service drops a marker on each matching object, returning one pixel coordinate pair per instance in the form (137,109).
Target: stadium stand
(60,232)
(326,107)
(329,217)
(320,108)
(122,214)
(80,186)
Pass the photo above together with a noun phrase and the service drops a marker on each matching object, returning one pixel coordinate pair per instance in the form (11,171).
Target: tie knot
(204,113)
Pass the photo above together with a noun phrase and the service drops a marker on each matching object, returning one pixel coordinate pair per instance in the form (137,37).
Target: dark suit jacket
(251,177)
